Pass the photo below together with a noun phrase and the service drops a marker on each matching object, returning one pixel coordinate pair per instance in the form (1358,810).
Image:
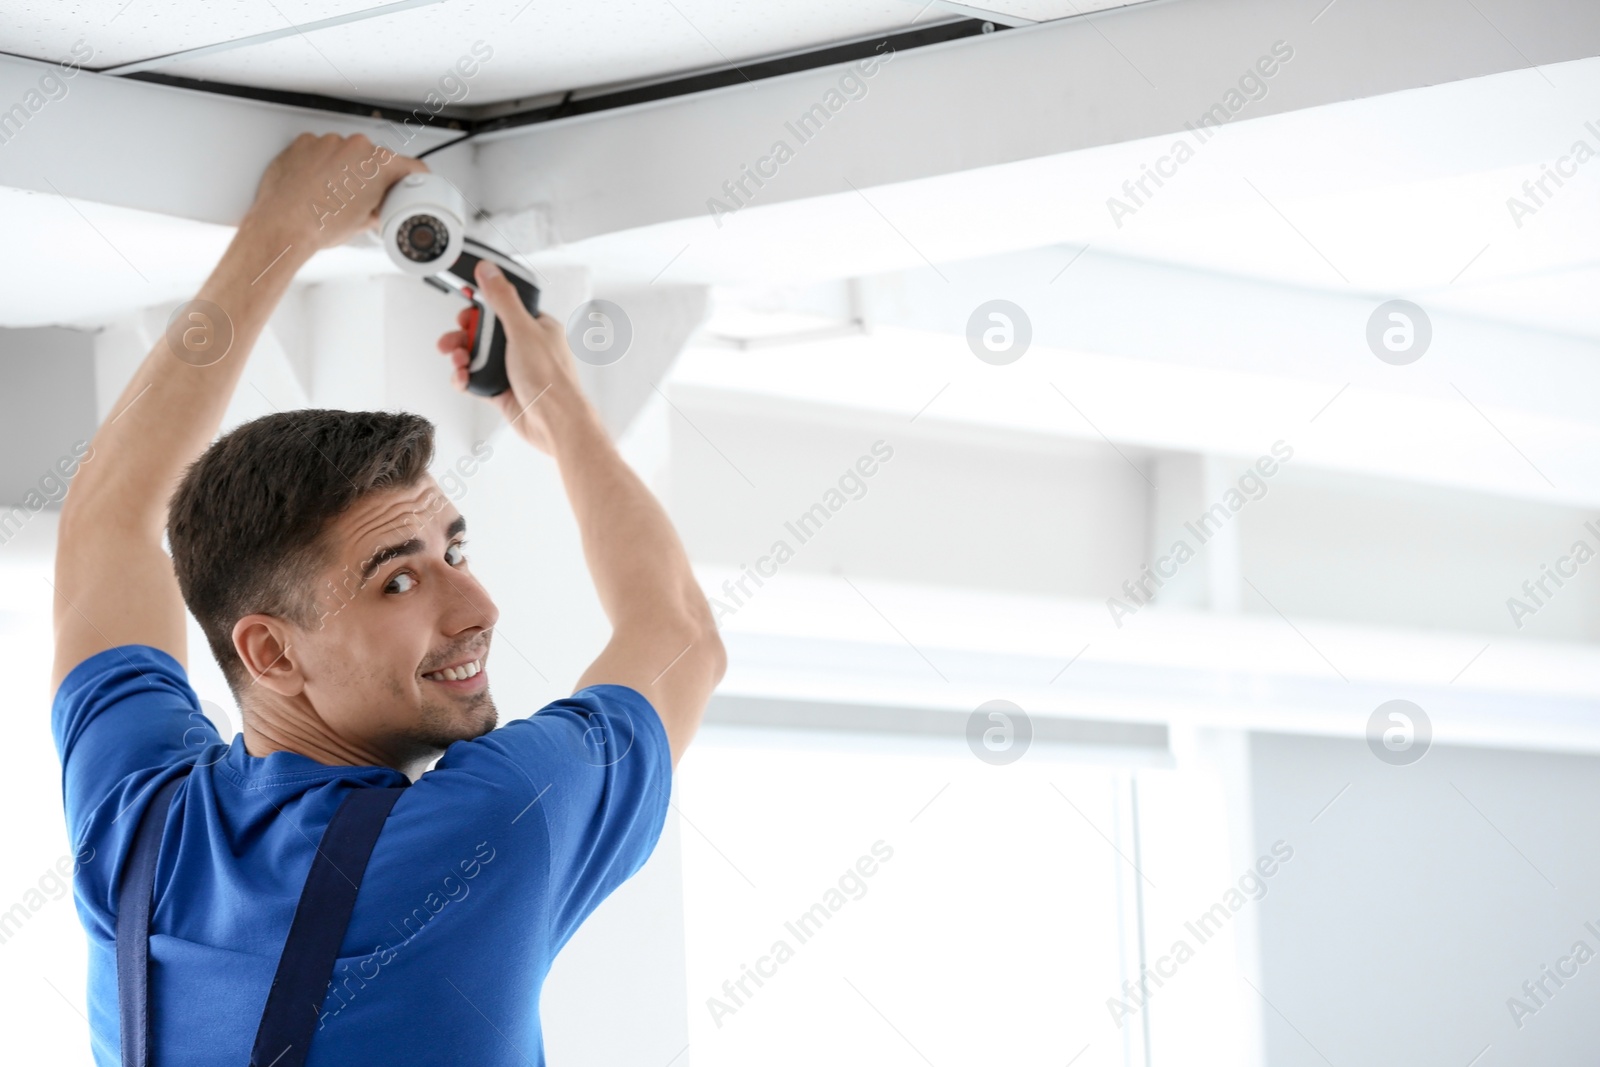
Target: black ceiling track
(602,100)
(750,72)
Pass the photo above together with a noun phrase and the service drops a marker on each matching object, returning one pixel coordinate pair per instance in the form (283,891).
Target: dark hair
(248,523)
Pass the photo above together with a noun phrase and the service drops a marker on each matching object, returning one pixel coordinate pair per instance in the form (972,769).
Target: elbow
(707,640)
(708,637)
(710,664)
(719,656)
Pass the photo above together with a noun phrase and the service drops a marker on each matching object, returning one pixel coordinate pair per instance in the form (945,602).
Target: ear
(266,645)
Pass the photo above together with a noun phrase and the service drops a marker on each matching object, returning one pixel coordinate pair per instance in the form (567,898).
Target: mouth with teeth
(462,677)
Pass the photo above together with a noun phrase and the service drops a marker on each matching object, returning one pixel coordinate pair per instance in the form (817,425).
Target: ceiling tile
(539,48)
(124,31)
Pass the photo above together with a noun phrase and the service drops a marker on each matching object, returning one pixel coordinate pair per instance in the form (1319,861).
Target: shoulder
(124,710)
(111,678)
(604,740)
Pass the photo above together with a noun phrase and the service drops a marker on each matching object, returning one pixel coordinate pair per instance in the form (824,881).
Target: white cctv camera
(423,223)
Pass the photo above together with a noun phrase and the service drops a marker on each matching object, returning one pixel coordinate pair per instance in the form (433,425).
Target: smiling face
(397,603)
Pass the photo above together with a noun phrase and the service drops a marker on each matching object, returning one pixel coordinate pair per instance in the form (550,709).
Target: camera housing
(423,224)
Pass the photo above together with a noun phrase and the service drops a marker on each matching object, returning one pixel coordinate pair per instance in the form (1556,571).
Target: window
(1000,922)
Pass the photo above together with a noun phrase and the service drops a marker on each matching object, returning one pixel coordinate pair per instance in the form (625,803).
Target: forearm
(640,569)
(172,407)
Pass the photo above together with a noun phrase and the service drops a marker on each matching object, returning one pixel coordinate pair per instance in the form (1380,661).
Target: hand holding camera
(322,191)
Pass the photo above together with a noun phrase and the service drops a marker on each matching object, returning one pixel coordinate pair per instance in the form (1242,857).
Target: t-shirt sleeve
(596,768)
(121,711)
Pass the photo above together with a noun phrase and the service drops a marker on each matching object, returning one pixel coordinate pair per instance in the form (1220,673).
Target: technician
(498,840)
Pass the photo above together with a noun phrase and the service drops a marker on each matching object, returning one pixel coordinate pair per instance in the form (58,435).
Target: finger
(356,146)
(496,290)
(391,167)
(397,166)
(459,338)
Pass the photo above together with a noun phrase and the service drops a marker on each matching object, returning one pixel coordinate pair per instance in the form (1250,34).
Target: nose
(469,604)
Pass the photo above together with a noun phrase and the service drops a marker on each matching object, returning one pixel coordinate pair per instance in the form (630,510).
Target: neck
(272,729)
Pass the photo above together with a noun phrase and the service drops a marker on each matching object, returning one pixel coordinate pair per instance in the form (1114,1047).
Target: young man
(488,861)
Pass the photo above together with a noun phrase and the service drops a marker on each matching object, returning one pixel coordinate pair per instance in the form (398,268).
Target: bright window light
(996,919)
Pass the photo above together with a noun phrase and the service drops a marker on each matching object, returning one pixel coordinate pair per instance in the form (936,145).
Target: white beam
(1173,359)
(1242,326)
(177,152)
(815,638)
(1002,98)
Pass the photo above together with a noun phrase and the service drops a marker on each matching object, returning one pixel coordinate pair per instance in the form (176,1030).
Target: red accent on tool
(474,315)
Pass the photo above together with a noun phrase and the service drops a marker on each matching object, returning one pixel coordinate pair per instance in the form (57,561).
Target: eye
(461,558)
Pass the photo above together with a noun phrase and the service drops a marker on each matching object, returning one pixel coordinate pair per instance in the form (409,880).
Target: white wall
(1422,899)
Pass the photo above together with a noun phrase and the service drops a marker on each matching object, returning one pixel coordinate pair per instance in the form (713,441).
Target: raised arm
(664,641)
(113,581)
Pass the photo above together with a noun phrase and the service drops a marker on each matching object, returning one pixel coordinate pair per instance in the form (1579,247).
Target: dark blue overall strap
(133,928)
(304,969)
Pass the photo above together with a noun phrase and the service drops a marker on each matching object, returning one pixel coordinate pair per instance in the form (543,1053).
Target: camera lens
(422,238)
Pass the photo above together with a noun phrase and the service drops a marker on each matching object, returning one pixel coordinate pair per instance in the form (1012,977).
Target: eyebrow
(408,547)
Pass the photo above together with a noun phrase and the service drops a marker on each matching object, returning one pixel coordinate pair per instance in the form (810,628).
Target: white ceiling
(538,47)
(121,32)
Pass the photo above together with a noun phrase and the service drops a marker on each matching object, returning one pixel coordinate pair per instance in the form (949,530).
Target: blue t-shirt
(484,869)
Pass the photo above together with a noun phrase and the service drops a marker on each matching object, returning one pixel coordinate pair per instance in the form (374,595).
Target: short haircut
(249,523)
